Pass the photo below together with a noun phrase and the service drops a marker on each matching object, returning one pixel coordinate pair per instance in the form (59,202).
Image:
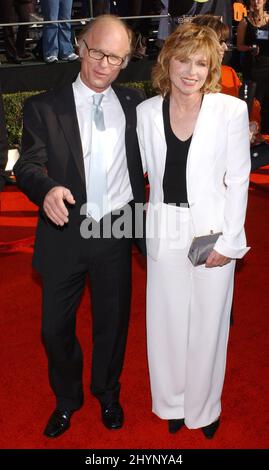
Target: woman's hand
(254,49)
(253,131)
(216,259)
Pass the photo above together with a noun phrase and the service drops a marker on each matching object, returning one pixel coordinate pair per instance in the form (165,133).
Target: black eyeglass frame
(120,59)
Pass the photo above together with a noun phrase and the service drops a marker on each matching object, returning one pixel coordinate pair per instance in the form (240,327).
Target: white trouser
(188,317)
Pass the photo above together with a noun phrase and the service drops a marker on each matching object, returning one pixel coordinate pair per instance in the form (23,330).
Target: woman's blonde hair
(186,40)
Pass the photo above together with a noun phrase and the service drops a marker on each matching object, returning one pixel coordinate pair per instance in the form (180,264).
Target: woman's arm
(240,41)
(232,243)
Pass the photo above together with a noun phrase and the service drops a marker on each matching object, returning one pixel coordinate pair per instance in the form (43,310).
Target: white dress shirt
(119,191)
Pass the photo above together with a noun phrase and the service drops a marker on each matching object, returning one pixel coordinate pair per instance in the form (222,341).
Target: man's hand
(216,259)
(54,206)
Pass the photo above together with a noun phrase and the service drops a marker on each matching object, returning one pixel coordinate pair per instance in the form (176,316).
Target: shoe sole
(58,434)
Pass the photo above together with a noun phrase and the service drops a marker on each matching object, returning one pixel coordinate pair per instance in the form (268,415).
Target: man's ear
(81,47)
(126,61)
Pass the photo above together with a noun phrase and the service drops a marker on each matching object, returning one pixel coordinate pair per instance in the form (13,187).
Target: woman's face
(223,48)
(188,75)
(257,4)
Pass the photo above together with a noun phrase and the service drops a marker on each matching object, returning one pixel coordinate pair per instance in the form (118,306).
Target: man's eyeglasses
(99,55)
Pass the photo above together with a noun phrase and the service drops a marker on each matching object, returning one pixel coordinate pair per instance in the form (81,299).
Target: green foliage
(145,86)
(148,88)
(13,104)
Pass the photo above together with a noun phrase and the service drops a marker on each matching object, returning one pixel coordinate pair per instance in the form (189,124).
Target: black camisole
(174,180)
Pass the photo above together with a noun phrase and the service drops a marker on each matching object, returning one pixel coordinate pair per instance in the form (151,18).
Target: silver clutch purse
(201,247)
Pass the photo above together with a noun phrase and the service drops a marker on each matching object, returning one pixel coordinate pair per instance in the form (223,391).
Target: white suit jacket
(217,173)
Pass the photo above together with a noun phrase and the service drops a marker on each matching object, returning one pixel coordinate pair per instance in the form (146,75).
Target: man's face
(111,39)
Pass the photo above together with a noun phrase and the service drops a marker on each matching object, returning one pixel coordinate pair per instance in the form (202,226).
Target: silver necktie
(97,185)
(98,115)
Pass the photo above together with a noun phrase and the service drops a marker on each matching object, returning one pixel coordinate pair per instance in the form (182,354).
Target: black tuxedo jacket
(52,155)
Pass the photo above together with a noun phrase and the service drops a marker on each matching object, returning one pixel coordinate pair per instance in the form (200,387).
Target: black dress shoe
(58,423)
(14,58)
(112,415)
(25,55)
(9,180)
(210,430)
(174,425)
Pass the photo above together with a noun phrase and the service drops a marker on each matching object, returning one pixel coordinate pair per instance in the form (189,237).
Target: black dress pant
(107,262)
(260,74)
(12,11)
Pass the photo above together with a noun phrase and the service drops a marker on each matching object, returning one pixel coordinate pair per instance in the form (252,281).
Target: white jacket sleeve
(233,241)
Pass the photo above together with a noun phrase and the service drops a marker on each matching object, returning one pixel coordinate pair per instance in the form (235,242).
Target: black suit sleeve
(31,168)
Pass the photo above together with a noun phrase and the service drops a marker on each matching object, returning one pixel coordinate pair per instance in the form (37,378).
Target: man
(3,144)
(12,11)
(57,170)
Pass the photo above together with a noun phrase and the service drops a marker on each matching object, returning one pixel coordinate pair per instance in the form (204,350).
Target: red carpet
(25,397)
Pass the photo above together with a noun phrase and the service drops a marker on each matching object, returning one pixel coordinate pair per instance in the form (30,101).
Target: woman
(253,40)
(223,32)
(230,82)
(198,184)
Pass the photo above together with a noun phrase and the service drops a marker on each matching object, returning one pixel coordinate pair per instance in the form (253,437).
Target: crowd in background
(59,40)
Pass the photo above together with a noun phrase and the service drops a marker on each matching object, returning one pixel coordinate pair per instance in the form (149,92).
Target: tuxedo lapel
(131,144)
(127,104)
(66,112)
